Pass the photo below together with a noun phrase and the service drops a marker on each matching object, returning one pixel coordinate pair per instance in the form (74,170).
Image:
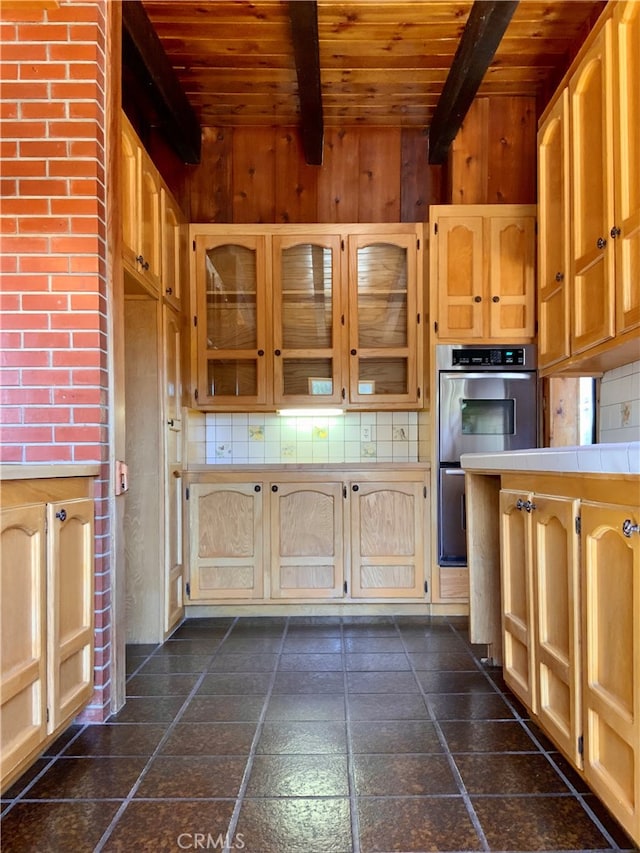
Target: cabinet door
(174,574)
(626,22)
(592,264)
(611,672)
(512,295)
(516,577)
(307,540)
(387,540)
(383,330)
(557,634)
(70,618)
(23,649)
(232,333)
(130,177)
(225,521)
(149,211)
(460,276)
(554,236)
(174,249)
(306,320)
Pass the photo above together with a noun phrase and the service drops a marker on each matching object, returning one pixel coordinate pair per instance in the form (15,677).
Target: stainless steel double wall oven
(487,402)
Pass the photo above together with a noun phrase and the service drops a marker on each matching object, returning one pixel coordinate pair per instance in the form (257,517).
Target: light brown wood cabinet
(174,236)
(589,179)
(482,263)
(47,615)
(328,536)
(307,315)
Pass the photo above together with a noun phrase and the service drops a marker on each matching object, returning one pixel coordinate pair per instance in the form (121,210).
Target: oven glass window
(488,417)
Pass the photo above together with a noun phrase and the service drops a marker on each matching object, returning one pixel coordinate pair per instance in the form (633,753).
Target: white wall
(619,410)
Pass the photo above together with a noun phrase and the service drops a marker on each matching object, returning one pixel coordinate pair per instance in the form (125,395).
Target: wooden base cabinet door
(23,650)
(388,521)
(557,610)
(307,540)
(516,570)
(611,673)
(70,595)
(226,541)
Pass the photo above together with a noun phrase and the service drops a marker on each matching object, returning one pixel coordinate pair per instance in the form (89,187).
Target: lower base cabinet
(326,537)
(46,660)
(570,579)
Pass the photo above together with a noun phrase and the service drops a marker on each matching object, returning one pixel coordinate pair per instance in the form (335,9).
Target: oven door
(486,413)
(452,518)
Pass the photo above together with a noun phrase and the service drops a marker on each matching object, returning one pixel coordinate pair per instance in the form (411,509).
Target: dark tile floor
(308,735)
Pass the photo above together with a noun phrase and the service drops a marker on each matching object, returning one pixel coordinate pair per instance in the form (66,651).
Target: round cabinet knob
(559,276)
(601,243)
(170,422)
(274,488)
(145,265)
(495,299)
(277,352)
(615,232)
(260,352)
(257,489)
(520,504)
(62,515)
(355,487)
(628,527)
(169,291)
(477,298)
(354,352)
(139,259)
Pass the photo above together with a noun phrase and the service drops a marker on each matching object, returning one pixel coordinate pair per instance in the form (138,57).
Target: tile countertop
(622,458)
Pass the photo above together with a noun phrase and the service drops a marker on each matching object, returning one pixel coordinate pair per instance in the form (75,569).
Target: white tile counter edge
(614,458)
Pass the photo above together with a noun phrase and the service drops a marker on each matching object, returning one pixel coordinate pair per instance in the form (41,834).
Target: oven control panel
(502,357)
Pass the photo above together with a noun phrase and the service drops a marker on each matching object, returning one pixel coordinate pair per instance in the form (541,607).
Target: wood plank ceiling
(382,63)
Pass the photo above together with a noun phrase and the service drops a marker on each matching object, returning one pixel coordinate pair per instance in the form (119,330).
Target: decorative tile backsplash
(620,404)
(268,438)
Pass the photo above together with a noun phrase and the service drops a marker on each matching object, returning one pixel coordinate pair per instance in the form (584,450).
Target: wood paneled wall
(258,174)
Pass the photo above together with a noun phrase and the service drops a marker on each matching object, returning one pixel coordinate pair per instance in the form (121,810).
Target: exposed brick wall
(54,374)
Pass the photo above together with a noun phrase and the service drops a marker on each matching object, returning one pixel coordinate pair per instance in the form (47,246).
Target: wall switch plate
(365,433)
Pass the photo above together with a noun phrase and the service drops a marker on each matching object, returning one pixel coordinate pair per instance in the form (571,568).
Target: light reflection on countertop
(612,458)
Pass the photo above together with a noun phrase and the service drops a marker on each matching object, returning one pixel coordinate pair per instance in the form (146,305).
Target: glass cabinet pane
(383,376)
(308,376)
(382,295)
(232,378)
(307,297)
(231,286)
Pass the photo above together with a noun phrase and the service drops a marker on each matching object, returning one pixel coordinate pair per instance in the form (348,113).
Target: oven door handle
(489,374)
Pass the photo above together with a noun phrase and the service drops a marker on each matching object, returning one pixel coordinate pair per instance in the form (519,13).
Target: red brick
(43,71)
(85,302)
(48,453)
(43,148)
(72,396)
(43,109)
(73,321)
(11,415)
(22,245)
(44,263)
(87,225)
(73,358)
(71,245)
(10,453)
(89,340)
(25,396)
(26,434)
(93,415)
(71,52)
(23,12)
(9,72)
(45,377)
(75,206)
(24,358)
(43,225)
(10,340)
(86,148)
(86,109)
(47,415)
(23,129)
(9,377)
(20,321)
(46,187)
(86,264)
(46,340)
(8,187)
(8,264)
(43,32)
(21,206)
(24,52)
(8,225)
(8,110)
(91,188)
(10,302)
(71,283)
(76,12)
(24,91)
(8,148)
(45,302)
(25,282)
(73,129)
(8,32)
(78,434)
(90,376)
(73,91)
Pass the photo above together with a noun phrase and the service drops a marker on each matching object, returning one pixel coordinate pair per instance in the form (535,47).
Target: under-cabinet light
(309,413)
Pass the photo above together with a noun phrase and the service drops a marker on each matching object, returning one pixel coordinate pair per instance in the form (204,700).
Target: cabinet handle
(260,352)
(615,232)
(559,276)
(495,299)
(139,259)
(170,422)
(277,352)
(528,505)
(628,527)
(62,515)
(601,243)
(355,487)
(145,265)
(477,298)
(354,352)
(274,488)
(520,504)
(169,291)
(257,489)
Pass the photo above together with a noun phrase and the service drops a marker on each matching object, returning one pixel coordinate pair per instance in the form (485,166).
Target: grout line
(475,820)
(136,785)
(353,799)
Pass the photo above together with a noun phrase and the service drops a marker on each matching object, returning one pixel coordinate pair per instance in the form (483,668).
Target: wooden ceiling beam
(306,48)
(181,125)
(485,27)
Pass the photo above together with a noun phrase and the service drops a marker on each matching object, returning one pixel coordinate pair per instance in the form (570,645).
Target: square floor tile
(395,737)
(377,662)
(243,662)
(226,683)
(205,647)
(117,739)
(161,825)
(143,710)
(403,775)
(382,682)
(508,773)
(293,825)
(158,684)
(537,823)
(192,777)
(306,706)
(88,778)
(309,682)
(370,645)
(487,736)
(213,709)
(303,738)
(210,739)
(14,791)
(53,827)
(304,644)
(300,662)
(383,706)
(470,706)
(260,645)
(443,661)
(175,664)
(415,824)
(454,682)
(298,776)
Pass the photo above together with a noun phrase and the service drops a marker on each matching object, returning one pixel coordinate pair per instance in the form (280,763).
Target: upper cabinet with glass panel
(308,316)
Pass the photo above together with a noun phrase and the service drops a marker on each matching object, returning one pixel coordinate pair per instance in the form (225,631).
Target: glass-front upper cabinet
(232,330)
(306,320)
(383,319)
